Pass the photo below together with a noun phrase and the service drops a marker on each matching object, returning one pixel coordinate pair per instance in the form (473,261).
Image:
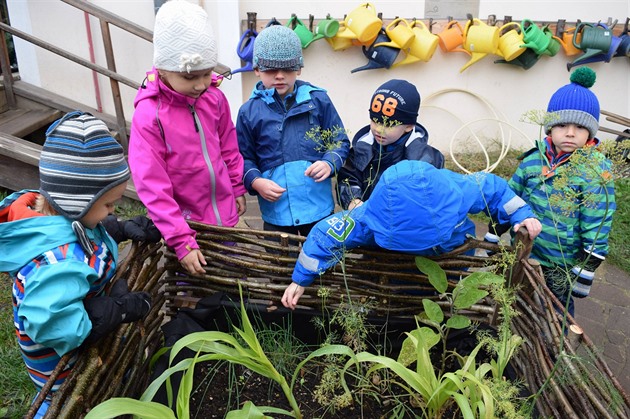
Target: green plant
(435,389)
(17,391)
(211,346)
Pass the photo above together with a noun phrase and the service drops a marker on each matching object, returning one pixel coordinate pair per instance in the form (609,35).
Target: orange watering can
(423,46)
(480,40)
(452,37)
(565,37)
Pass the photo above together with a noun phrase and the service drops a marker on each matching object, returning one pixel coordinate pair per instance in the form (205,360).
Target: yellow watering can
(423,46)
(510,41)
(362,25)
(480,40)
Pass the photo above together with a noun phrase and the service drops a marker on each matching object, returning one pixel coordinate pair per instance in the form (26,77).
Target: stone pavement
(604,315)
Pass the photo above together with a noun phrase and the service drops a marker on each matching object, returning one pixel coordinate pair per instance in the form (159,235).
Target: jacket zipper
(206,157)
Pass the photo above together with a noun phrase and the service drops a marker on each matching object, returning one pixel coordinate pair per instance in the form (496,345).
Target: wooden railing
(106,18)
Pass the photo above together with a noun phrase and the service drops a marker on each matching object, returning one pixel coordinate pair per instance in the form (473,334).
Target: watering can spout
(371,65)
(409,59)
(476,56)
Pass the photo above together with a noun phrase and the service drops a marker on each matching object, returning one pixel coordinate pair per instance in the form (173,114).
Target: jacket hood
(414,207)
(23,240)
(153,87)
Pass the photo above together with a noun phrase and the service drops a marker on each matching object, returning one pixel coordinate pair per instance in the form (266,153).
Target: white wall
(483,91)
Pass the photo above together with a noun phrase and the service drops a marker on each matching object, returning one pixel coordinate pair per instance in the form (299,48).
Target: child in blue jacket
(392,136)
(291,137)
(60,256)
(415,208)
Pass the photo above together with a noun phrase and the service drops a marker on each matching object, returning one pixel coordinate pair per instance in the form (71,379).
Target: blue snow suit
(415,208)
(368,160)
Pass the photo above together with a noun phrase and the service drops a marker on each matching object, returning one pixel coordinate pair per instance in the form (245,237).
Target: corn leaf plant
(214,346)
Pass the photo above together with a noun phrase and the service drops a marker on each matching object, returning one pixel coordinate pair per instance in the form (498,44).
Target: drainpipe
(97,90)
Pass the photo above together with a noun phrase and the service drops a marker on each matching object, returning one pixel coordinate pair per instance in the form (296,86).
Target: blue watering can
(245,50)
(379,56)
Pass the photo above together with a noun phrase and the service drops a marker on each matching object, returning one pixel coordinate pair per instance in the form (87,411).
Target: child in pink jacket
(183,151)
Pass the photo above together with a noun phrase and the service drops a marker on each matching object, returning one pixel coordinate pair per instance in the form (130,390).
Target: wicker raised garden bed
(262,262)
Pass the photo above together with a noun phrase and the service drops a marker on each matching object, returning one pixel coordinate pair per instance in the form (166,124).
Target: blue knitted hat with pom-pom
(575,103)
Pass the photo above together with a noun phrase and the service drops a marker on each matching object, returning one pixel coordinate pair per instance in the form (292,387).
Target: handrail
(106,18)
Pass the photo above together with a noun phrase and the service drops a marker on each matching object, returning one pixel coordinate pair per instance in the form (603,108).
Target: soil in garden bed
(221,388)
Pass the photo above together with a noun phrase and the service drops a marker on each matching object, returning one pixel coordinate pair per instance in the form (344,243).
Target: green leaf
(437,276)
(113,408)
(466,297)
(482,278)
(433,310)
(408,351)
(249,411)
(458,321)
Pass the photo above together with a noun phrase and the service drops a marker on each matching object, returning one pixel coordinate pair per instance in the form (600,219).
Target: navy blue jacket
(279,139)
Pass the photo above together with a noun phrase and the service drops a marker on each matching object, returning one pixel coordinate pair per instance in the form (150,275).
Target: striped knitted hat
(277,47)
(80,161)
(183,40)
(574,103)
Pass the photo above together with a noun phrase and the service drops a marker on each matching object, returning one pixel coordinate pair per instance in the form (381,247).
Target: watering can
(452,37)
(535,37)
(526,60)
(306,35)
(596,42)
(423,46)
(245,50)
(480,40)
(339,42)
(379,56)
(565,38)
(510,41)
(623,50)
(362,24)
(400,34)
(327,28)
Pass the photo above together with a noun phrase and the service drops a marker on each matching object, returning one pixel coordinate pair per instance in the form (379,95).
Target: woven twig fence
(117,365)
(581,386)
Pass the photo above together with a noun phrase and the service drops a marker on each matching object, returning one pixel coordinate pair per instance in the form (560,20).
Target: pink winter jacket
(184,168)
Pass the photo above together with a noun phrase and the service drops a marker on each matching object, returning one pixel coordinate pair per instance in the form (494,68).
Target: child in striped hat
(567,183)
(59,254)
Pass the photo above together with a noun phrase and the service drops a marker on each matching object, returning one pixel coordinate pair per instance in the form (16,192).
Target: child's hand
(532,225)
(193,262)
(241,205)
(292,295)
(320,170)
(268,189)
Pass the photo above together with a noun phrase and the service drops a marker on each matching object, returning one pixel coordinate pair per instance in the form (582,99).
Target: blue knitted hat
(575,103)
(395,101)
(80,161)
(277,47)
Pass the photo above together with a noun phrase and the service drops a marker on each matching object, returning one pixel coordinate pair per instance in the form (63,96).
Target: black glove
(107,312)
(139,228)
(136,306)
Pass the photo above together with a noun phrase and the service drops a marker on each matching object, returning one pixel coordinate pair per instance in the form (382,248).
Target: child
(280,131)
(573,243)
(60,256)
(183,150)
(393,135)
(415,208)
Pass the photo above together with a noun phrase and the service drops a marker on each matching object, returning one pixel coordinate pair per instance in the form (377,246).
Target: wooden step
(19,165)
(21,122)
